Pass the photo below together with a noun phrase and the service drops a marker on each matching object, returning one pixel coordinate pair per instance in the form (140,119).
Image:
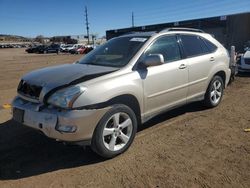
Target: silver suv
(101,99)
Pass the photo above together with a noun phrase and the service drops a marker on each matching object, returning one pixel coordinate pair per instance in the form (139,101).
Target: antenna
(87,22)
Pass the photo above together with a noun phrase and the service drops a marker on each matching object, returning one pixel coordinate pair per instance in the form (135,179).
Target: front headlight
(65,98)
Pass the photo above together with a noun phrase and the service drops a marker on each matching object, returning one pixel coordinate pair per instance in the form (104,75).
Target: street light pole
(87,22)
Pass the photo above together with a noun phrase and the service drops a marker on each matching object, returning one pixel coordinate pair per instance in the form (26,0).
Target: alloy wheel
(117,131)
(216,92)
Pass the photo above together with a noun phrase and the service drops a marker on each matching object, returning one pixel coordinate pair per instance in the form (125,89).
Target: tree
(39,38)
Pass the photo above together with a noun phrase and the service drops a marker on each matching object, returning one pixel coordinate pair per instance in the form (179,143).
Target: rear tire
(214,92)
(115,132)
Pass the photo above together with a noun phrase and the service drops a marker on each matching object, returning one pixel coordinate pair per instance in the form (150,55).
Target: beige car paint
(158,89)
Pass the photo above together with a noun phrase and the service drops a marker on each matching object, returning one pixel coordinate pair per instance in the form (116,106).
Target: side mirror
(153,60)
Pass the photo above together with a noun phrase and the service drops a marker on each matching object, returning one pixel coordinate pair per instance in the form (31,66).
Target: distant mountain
(13,38)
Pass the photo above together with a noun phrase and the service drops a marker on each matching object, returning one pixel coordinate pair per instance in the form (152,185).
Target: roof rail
(131,32)
(137,32)
(181,29)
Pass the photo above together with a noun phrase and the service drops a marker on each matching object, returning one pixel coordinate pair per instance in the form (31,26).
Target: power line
(169,14)
(197,7)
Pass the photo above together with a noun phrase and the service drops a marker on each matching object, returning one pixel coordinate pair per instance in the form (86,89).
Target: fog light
(66,128)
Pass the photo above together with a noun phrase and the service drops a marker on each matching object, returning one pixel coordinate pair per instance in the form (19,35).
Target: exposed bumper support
(48,120)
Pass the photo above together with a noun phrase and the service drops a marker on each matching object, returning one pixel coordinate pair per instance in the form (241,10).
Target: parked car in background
(74,49)
(34,49)
(70,48)
(247,45)
(75,46)
(244,62)
(82,50)
(101,99)
(66,48)
(86,50)
(53,48)
(14,45)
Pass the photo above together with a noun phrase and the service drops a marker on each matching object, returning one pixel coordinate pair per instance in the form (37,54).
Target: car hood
(68,74)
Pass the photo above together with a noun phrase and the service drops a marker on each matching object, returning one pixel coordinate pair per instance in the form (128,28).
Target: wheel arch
(222,74)
(130,101)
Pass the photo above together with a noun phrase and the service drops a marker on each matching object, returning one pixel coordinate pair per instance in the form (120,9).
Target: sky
(30,18)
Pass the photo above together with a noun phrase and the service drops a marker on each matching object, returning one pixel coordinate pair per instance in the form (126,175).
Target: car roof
(139,34)
(166,30)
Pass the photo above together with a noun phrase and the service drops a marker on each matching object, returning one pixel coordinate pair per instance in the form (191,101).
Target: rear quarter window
(194,45)
(211,47)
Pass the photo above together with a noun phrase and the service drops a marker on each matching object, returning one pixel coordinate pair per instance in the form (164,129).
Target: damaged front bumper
(63,125)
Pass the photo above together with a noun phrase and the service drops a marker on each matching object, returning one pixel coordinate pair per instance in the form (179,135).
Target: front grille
(247,61)
(28,90)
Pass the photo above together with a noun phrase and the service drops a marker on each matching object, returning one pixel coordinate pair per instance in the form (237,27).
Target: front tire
(115,132)
(214,92)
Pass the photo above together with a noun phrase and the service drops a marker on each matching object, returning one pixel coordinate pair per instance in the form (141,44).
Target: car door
(200,61)
(165,85)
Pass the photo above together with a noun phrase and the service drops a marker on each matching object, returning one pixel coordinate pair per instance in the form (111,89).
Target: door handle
(182,66)
(211,59)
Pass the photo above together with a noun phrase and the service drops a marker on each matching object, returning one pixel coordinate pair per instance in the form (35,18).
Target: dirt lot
(187,147)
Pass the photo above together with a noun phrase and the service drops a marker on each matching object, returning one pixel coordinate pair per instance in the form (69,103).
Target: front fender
(107,89)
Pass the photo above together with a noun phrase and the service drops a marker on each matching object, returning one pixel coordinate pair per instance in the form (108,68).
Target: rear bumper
(228,76)
(47,120)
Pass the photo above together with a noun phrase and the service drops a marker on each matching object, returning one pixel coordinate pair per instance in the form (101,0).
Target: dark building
(229,30)
(63,39)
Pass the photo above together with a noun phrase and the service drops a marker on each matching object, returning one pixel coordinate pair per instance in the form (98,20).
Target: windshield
(115,53)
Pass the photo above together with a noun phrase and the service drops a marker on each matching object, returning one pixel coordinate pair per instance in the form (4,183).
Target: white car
(244,64)
(73,47)
(65,48)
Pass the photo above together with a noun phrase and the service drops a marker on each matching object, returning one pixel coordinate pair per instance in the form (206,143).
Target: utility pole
(133,22)
(87,22)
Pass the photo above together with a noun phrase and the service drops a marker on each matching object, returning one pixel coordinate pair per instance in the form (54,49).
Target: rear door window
(193,45)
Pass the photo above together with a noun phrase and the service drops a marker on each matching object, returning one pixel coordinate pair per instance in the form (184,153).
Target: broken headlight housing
(65,98)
